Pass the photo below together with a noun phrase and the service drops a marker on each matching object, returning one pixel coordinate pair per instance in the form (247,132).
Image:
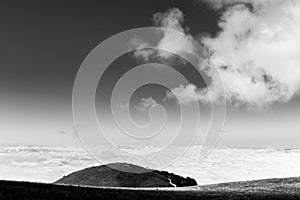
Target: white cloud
(170,41)
(145,104)
(218,4)
(256,53)
(260,50)
(187,94)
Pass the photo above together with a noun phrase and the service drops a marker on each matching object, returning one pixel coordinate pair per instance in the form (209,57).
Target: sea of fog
(47,164)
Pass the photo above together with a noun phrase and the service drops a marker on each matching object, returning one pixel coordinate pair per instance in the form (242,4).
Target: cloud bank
(256,53)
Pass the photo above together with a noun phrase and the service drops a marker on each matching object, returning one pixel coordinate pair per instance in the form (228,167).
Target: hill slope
(287,188)
(125,175)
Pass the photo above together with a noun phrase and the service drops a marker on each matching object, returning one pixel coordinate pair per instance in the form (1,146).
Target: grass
(286,188)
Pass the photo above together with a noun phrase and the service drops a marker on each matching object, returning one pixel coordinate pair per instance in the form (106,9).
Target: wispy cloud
(187,94)
(170,41)
(145,104)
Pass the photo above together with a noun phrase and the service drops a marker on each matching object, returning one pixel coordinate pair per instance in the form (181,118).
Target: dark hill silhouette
(125,175)
(268,189)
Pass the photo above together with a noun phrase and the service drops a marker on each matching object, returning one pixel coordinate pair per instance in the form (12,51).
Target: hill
(125,175)
(286,188)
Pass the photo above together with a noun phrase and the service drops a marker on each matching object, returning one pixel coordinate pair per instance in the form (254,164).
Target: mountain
(125,175)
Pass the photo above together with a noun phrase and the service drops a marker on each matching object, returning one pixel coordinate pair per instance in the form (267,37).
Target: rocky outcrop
(125,175)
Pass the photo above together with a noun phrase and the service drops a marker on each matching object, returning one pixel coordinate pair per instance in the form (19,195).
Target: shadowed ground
(286,188)
(125,175)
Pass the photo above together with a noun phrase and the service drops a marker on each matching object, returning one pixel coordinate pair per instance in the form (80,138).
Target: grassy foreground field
(286,188)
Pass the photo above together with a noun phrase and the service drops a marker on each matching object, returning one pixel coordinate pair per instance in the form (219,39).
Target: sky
(252,44)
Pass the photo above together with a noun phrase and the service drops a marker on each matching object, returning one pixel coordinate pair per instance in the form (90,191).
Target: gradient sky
(43,44)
